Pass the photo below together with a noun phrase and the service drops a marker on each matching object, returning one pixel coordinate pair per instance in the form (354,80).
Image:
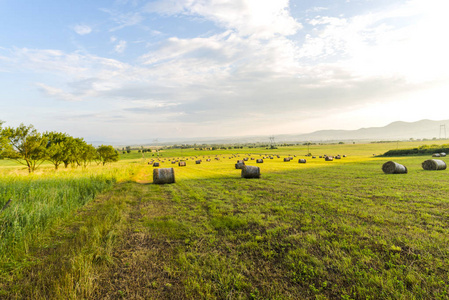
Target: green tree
(24,145)
(75,152)
(56,147)
(88,154)
(107,154)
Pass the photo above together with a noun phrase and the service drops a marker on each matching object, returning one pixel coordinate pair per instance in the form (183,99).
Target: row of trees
(29,147)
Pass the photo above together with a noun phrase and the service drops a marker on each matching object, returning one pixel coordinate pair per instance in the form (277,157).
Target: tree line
(29,147)
(421,150)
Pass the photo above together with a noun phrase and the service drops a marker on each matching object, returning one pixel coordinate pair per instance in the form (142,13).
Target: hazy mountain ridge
(399,130)
(424,129)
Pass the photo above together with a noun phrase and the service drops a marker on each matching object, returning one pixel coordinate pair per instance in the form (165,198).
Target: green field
(321,230)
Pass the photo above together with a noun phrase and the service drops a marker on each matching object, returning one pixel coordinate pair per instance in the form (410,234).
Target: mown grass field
(320,230)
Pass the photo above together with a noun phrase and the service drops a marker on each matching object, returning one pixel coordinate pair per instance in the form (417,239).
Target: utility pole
(272,142)
(443,129)
(157,150)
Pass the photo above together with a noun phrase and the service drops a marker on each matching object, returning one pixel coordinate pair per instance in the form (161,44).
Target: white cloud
(120,47)
(124,19)
(82,29)
(259,18)
(402,41)
(57,93)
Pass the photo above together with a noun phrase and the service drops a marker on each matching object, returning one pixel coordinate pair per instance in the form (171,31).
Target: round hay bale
(391,167)
(208,160)
(252,158)
(338,157)
(434,165)
(156,164)
(286,158)
(163,176)
(442,154)
(250,172)
(302,161)
(240,161)
(198,162)
(436,155)
(259,161)
(182,164)
(329,158)
(320,156)
(344,155)
(245,159)
(239,165)
(313,156)
(173,162)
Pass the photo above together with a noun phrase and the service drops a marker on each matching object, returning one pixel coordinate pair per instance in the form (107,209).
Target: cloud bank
(260,70)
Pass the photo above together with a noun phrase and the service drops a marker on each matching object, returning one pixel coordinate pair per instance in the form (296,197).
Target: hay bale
(182,164)
(313,156)
(245,159)
(442,154)
(198,162)
(163,176)
(338,157)
(302,161)
(436,155)
(329,158)
(391,167)
(344,155)
(173,162)
(250,172)
(434,165)
(240,161)
(239,165)
(286,158)
(156,164)
(259,161)
(252,158)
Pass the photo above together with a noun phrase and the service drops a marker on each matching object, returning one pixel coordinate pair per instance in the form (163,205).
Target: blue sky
(135,70)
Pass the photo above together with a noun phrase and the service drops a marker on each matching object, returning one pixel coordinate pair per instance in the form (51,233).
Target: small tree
(89,154)
(56,147)
(24,145)
(107,154)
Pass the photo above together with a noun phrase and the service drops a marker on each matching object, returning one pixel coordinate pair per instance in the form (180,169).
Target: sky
(139,70)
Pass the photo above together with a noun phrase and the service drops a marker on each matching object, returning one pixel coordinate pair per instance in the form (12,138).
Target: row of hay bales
(241,162)
(442,154)
(391,167)
(167,175)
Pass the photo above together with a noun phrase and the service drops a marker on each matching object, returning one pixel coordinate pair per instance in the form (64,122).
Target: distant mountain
(424,129)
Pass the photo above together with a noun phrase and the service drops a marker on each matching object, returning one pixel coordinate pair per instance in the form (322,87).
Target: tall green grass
(37,203)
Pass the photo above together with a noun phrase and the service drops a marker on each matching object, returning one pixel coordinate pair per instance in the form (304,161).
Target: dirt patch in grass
(141,257)
(140,271)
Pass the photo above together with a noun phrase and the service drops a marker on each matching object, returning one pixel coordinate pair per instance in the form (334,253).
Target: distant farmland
(338,229)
